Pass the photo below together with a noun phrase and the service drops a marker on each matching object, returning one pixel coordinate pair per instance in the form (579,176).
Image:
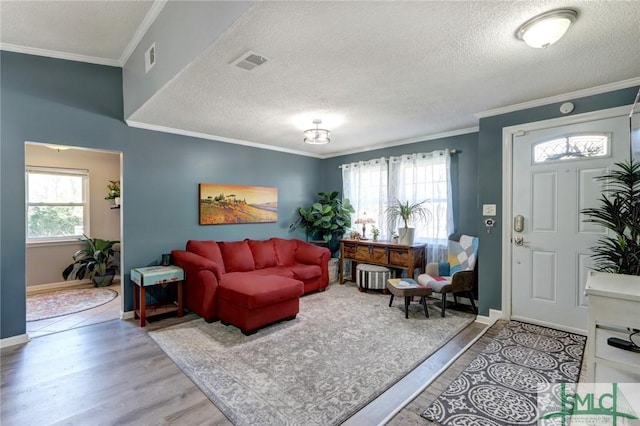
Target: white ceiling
(376,73)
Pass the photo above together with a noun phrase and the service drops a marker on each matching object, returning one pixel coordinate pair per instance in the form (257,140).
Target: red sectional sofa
(250,283)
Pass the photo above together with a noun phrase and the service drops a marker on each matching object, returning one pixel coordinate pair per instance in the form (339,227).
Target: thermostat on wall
(489,210)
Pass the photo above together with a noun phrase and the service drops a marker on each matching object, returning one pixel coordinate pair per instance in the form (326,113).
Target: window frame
(70,172)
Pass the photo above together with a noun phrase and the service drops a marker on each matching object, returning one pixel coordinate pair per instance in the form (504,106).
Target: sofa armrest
(193,263)
(202,280)
(311,254)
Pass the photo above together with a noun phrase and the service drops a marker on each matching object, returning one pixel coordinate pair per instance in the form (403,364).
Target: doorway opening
(68,196)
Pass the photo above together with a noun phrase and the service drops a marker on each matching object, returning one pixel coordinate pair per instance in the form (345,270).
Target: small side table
(409,292)
(155,275)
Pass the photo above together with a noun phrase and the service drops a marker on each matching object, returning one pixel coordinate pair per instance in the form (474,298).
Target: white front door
(550,255)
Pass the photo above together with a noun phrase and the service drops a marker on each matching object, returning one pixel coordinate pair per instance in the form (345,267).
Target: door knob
(519,241)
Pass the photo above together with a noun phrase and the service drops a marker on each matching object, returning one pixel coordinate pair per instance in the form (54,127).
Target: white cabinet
(614,307)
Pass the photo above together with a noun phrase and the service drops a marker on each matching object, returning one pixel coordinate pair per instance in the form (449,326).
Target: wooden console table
(384,253)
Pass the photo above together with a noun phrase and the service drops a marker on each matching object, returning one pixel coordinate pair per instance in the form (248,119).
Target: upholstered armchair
(458,275)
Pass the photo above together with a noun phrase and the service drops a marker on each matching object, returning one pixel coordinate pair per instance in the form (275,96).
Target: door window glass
(575,147)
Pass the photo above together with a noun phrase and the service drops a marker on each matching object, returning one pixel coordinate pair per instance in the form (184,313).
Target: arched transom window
(573,147)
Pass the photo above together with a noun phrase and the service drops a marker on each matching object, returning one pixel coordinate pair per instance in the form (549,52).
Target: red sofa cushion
(264,254)
(285,250)
(255,291)
(237,256)
(209,250)
(305,272)
(281,271)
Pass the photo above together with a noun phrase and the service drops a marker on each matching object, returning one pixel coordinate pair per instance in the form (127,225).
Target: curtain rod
(451,151)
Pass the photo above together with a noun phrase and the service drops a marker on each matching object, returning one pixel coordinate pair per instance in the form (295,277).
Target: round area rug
(64,302)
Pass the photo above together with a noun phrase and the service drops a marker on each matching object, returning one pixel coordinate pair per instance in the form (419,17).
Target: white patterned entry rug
(501,385)
(343,350)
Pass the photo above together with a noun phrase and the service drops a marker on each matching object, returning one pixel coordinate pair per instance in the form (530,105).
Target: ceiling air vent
(150,58)
(249,61)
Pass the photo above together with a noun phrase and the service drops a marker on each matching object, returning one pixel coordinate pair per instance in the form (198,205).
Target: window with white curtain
(372,185)
(365,184)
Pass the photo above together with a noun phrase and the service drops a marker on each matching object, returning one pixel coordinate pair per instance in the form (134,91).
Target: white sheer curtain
(426,176)
(365,185)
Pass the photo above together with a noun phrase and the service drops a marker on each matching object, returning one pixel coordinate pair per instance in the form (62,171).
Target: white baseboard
(14,340)
(39,288)
(126,315)
(494,315)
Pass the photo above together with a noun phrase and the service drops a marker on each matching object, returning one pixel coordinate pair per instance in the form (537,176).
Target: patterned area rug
(343,350)
(64,302)
(500,386)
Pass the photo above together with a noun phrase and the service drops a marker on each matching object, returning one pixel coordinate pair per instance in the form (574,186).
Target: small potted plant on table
(410,213)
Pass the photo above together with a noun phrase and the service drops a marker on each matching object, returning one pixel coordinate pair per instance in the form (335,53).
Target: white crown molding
(405,142)
(146,23)
(59,55)
(14,340)
(561,98)
(223,139)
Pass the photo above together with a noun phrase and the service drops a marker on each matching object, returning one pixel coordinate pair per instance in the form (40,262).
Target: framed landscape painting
(224,204)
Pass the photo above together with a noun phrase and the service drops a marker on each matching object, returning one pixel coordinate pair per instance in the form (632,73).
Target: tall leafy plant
(619,212)
(327,219)
(95,260)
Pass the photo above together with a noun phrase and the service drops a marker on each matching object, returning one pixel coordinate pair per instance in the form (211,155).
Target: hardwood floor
(114,373)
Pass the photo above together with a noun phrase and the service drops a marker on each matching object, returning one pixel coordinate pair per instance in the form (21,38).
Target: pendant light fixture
(317,136)
(545,29)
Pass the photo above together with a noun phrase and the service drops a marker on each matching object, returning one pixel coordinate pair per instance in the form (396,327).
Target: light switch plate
(488,210)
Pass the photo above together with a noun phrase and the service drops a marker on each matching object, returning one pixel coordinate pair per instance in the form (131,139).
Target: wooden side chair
(456,276)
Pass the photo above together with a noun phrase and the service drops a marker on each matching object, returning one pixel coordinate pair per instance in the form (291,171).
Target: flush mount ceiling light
(317,136)
(544,30)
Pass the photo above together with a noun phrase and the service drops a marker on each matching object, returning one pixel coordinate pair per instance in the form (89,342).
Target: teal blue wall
(464,173)
(72,103)
(490,181)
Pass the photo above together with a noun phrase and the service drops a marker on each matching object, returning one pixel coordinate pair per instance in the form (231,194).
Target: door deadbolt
(518,223)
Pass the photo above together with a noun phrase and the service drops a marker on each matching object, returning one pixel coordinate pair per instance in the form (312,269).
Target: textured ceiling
(98,30)
(376,73)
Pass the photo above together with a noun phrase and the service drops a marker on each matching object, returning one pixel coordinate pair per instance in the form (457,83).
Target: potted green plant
(113,192)
(409,213)
(375,232)
(327,219)
(95,261)
(619,212)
